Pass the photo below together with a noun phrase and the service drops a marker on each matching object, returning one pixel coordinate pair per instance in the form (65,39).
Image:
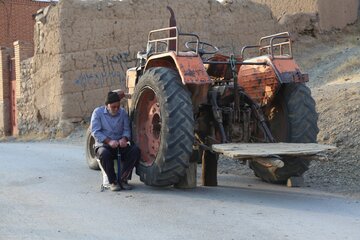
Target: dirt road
(53,195)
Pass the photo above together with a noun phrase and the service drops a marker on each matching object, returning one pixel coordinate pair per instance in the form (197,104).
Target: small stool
(105,180)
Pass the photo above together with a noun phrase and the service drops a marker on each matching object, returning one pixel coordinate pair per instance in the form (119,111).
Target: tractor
(189,103)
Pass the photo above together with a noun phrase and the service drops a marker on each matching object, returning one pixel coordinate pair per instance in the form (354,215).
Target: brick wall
(23,50)
(16,20)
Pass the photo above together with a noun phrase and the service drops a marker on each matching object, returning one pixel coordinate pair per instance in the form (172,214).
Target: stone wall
(27,115)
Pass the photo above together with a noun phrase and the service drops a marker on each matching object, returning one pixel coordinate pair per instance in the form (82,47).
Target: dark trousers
(129,158)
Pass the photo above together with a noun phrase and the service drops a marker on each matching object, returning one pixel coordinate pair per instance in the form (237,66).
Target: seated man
(111,129)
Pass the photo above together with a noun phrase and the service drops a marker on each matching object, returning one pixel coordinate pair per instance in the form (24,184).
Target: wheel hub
(149,126)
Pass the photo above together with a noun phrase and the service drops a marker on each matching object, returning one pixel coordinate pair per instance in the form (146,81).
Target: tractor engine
(220,112)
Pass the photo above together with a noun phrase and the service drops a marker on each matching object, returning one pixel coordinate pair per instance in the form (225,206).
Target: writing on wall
(107,70)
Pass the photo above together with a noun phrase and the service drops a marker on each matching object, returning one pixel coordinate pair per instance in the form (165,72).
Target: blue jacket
(104,125)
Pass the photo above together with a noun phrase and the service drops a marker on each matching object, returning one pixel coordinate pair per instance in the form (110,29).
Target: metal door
(12,97)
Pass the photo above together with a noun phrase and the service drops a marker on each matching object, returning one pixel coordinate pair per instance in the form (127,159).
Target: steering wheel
(204,48)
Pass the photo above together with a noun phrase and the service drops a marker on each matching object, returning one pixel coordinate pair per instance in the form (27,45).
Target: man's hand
(123,142)
(113,143)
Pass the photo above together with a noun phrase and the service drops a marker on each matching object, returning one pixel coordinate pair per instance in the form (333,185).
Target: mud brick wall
(280,8)
(83,48)
(46,72)
(329,13)
(337,14)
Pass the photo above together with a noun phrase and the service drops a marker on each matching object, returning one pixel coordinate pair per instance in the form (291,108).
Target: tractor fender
(261,82)
(188,64)
(288,70)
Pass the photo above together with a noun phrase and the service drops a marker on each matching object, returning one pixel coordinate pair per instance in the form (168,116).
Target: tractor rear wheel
(162,126)
(292,118)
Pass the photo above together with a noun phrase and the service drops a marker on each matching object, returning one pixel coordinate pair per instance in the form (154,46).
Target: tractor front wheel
(90,151)
(163,126)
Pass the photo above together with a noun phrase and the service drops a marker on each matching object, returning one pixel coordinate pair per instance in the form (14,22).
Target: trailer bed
(264,150)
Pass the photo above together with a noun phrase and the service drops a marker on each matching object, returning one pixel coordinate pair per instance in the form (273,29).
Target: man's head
(112,103)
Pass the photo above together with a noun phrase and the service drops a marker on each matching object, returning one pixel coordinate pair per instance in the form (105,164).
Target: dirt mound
(338,106)
(332,63)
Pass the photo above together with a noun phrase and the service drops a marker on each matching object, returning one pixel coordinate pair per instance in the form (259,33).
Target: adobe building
(16,28)
(82,49)
(330,13)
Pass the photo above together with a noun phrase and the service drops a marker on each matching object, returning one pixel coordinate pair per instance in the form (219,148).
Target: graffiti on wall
(108,71)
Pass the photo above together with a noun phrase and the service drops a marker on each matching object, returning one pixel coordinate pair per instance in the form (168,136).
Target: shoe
(115,187)
(126,186)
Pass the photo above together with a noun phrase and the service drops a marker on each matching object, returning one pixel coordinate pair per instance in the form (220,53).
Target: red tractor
(187,102)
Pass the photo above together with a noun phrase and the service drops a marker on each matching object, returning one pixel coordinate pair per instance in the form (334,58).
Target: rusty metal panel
(289,71)
(285,65)
(131,82)
(192,70)
(259,82)
(131,77)
(189,65)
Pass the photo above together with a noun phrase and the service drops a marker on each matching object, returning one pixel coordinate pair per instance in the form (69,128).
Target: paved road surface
(47,192)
